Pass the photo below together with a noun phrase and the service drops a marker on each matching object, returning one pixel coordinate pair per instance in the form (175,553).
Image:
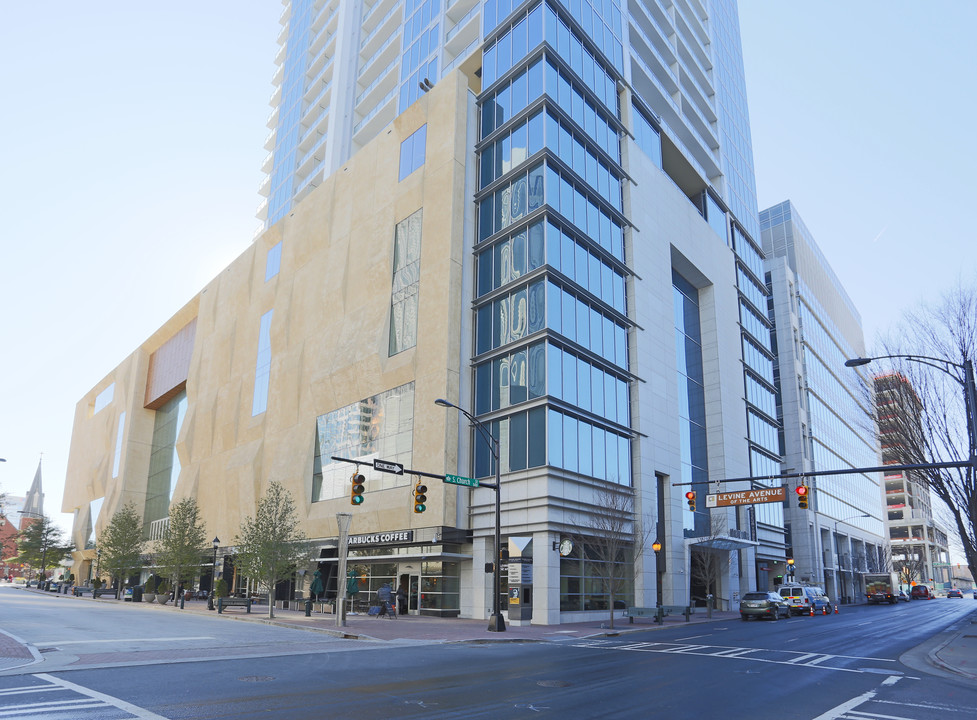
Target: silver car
(763,604)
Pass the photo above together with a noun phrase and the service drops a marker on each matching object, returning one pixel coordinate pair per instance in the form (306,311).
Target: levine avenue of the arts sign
(746,497)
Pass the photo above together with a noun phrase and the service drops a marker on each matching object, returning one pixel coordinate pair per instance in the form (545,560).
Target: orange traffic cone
(824,610)
(836,608)
(812,611)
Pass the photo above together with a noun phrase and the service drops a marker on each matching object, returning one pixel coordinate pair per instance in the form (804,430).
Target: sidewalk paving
(958,654)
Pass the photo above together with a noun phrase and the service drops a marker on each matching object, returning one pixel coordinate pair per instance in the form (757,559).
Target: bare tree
(706,564)
(921,412)
(611,539)
(910,564)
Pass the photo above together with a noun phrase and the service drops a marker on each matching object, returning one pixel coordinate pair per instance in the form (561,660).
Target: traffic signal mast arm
(848,471)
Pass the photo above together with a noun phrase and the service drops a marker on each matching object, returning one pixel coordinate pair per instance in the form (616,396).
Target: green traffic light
(356,500)
(419,508)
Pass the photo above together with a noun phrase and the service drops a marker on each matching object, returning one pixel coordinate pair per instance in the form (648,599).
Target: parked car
(763,604)
(954,592)
(801,598)
(903,596)
(975,593)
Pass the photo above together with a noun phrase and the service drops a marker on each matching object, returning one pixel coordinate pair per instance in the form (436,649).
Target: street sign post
(459,480)
(388,467)
(746,497)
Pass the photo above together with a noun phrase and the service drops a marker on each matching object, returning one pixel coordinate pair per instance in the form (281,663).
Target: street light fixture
(213,576)
(496,621)
(967,383)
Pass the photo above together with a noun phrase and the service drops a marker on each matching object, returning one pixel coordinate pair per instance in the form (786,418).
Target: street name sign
(459,480)
(388,467)
(746,497)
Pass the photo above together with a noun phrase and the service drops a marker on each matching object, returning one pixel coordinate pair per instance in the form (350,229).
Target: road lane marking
(840,710)
(765,655)
(48,707)
(139,712)
(27,689)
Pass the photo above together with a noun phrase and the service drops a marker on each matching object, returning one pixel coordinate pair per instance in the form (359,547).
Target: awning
(722,542)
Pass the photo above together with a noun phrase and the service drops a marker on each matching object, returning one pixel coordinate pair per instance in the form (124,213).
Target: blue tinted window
(273,261)
(262,372)
(412,151)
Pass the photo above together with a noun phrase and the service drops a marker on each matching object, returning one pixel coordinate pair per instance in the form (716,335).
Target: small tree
(42,545)
(270,544)
(611,540)
(180,550)
(120,543)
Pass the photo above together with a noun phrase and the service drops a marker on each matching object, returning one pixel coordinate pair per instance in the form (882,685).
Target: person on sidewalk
(402,599)
(385,597)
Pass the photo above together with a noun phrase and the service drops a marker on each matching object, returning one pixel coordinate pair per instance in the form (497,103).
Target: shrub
(150,586)
(97,583)
(163,588)
(221,588)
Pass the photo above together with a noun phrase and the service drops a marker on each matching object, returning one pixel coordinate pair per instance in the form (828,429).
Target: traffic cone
(812,611)
(824,610)
(836,608)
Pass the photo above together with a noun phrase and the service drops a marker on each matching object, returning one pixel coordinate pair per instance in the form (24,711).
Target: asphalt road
(867,662)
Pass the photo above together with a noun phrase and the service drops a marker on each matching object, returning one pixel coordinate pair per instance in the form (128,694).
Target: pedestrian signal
(690,496)
(356,489)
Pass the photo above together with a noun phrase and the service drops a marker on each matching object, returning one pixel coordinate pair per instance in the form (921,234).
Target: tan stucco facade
(329,348)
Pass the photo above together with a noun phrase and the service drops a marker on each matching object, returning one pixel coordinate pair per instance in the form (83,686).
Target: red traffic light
(690,495)
(801,490)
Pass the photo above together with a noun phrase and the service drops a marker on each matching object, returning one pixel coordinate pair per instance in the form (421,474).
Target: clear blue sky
(134,132)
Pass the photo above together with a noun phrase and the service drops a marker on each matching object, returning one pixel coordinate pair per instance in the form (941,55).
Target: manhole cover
(553,683)
(256,678)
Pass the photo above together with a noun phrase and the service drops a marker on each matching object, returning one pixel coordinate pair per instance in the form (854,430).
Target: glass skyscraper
(827,423)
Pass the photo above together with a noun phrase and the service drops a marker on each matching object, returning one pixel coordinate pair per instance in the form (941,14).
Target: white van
(802,598)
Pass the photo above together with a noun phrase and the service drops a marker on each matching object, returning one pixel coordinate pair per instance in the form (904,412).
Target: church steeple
(34,503)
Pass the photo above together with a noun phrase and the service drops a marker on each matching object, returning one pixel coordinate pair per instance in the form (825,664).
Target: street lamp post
(967,383)
(213,575)
(657,547)
(496,621)
(98,561)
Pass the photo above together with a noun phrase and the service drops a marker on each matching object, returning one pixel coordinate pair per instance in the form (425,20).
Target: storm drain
(553,683)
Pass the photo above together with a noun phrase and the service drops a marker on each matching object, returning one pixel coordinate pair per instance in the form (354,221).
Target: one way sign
(388,467)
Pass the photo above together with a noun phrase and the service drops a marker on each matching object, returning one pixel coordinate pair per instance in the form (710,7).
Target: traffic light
(356,489)
(803,495)
(690,496)
(419,497)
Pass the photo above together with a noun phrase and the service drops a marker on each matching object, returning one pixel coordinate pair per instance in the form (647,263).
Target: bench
(103,591)
(659,613)
(225,602)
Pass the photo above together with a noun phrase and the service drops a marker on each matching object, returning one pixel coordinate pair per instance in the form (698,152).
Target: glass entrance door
(410,584)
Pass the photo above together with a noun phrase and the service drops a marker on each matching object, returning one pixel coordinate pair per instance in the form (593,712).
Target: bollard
(308,607)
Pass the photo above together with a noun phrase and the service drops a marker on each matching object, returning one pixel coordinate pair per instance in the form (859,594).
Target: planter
(163,598)
(148,597)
